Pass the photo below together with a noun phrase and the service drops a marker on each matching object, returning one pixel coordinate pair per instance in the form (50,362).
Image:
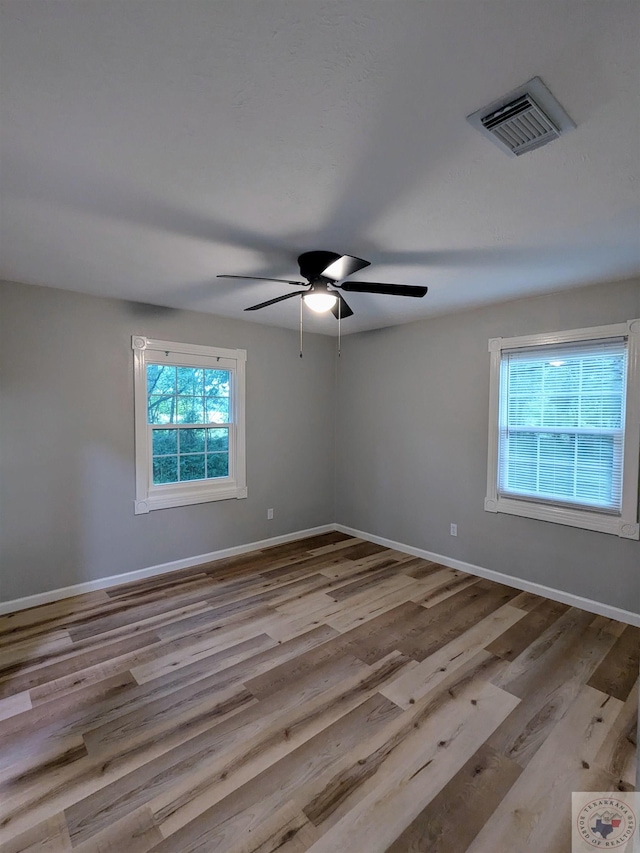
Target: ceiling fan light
(320,301)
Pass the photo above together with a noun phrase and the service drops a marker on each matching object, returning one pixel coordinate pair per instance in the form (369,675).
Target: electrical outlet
(269,514)
(454,529)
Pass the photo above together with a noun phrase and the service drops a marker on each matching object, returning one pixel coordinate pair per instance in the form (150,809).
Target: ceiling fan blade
(273,301)
(262,278)
(344,266)
(345,311)
(388,289)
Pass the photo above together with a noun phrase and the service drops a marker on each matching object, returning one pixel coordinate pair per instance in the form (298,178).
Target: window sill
(559,515)
(199,495)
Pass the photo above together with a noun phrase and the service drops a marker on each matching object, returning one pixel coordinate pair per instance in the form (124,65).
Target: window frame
(163,496)
(624,525)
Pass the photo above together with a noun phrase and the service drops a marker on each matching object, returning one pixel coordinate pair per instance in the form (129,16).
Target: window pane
(521,475)
(597,480)
(161,410)
(561,375)
(192,467)
(602,411)
(526,378)
(217,383)
(190,381)
(217,439)
(519,470)
(191,441)
(562,411)
(217,465)
(161,379)
(556,483)
(165,441)
(556,466)
(523,444)
(557,448)
(594,485)
(525,411)
(217,410)
(596,449)
(190,410)
(605,372)
(165,470)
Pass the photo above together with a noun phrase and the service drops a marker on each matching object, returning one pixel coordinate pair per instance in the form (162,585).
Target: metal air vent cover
(526,118)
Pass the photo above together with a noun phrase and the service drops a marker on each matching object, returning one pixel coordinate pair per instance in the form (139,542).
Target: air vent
(521,125)
(527,118)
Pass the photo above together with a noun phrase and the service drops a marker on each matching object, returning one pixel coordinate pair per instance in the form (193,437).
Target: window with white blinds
(561,430)
(564,428)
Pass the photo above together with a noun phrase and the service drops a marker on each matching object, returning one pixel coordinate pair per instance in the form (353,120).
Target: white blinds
(561,424)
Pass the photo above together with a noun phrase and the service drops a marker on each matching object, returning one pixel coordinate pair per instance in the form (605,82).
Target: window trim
(150,497)
(626,524)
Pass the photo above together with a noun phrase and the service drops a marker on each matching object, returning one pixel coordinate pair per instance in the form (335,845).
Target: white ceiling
(149,146)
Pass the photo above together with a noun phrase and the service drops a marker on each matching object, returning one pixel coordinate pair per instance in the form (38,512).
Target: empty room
(319,426)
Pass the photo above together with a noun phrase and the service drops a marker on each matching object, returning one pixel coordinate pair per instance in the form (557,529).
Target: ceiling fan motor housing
(313,264)
(320,284)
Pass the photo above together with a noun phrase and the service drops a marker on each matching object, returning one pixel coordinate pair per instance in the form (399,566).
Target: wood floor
(324,695)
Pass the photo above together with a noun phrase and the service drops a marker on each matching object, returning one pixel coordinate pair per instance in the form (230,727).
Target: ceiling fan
(325,273)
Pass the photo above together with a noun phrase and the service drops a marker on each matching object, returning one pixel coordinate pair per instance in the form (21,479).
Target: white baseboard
(527,586)
(588,604)
(151,571)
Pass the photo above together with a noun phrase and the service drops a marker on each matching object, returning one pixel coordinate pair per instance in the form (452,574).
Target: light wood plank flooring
(328,695)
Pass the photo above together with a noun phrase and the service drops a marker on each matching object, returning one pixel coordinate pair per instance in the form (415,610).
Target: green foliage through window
(188,395)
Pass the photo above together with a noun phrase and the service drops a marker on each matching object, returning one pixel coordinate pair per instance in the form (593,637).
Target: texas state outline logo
(605,820)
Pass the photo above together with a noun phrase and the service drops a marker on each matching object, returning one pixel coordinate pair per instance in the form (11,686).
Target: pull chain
(300,327)
(339,322)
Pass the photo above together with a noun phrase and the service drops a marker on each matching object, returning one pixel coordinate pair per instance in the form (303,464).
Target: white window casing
(620,516)
(150,496)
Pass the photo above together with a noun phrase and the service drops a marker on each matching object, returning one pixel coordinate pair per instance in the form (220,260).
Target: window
(189,411)
(564,428)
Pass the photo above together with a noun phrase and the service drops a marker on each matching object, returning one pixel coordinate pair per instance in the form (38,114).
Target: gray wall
(412,445)
(66,425)
(412,414)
